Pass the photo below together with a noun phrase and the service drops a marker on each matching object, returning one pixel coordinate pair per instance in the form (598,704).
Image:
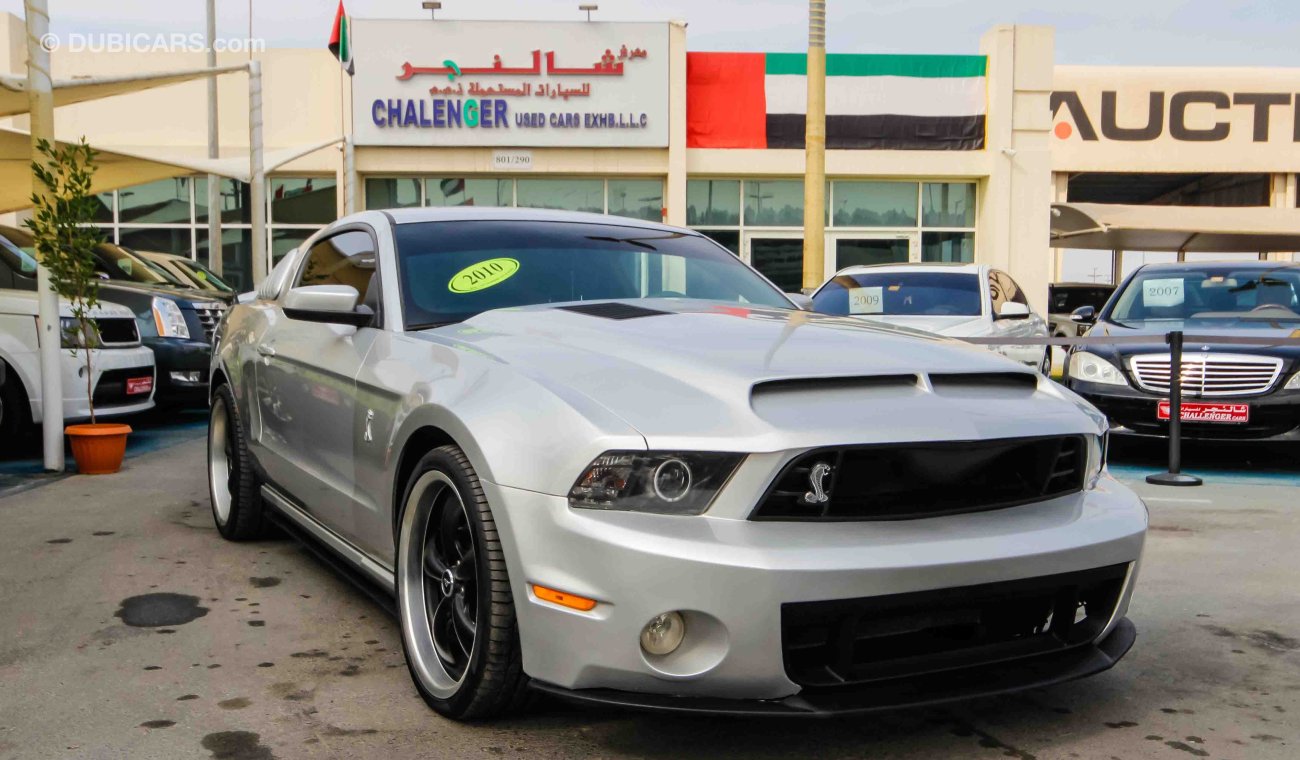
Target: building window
(171,216)
(636,198)
(867,220)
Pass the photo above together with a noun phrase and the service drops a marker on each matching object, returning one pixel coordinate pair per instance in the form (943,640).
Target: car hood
(184,296)
(1228,328)
(958,326)
(686,376)
(25,303)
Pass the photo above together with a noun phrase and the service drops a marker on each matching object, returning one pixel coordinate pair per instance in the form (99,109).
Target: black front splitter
(892,694)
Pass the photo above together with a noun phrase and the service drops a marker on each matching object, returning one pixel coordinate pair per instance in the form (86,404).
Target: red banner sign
(1202,412)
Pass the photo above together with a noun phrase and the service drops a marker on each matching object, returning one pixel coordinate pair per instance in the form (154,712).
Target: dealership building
(930,157)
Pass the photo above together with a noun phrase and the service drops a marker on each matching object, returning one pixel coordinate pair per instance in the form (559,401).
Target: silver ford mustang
(604,459)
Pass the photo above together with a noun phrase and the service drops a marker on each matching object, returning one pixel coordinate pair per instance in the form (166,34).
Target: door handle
(265,349)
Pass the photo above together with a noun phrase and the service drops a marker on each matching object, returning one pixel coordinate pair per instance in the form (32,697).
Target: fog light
(663,634)
(186,378)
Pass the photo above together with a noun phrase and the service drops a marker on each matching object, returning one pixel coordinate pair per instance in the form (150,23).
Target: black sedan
(176,321)
(1230,391)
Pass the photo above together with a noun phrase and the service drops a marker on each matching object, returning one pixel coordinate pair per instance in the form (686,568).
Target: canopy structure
(126,166)
(1114,227)
(13,90)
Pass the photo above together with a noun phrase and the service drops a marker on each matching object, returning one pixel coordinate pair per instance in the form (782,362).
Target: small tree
(63,225)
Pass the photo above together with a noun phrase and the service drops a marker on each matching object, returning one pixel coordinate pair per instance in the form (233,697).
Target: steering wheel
(666,294)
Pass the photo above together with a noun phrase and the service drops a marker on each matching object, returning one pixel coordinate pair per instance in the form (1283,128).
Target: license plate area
(138,385)
(1197,411)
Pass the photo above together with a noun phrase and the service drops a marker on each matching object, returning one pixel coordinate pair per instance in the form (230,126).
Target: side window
(344,259)
(997,291)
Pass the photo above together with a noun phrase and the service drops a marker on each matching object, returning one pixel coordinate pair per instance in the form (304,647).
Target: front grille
(111,388)
(915,480)
(853,641)
(118,331)
(1208,375)
(209,316)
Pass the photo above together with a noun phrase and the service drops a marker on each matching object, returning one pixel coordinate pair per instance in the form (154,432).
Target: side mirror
(804,302)
(1013,310)
(331,304)
(1084,315)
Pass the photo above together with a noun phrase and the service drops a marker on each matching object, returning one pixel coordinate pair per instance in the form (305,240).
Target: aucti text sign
(1110,118)
(488,83)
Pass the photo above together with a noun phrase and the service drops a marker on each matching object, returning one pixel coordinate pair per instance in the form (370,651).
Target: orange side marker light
(572,601)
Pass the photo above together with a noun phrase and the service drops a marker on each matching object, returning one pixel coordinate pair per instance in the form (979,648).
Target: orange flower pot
(98,448)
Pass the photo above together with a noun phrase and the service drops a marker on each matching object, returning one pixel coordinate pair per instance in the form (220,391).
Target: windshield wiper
(629,241)
(431,325)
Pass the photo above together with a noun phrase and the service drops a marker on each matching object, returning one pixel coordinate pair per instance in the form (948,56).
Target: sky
(1116,32)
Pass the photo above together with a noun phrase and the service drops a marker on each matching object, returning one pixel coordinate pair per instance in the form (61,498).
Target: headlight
(170,319)
(1294,383)
(1094,369)
(1098,448)
(70,333)
(663,482)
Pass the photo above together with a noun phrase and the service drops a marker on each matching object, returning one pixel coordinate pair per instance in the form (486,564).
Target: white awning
(1215,229)
(13,90)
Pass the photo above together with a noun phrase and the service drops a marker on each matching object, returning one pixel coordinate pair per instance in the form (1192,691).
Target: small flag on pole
(341,39)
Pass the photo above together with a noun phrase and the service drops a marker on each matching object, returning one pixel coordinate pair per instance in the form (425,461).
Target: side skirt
(371,577)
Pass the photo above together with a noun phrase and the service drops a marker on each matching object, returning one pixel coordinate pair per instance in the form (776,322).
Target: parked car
(956,300)
(123,377)
(1065,297)
(177,323)
(1230,392)
(605,459)
(190,273)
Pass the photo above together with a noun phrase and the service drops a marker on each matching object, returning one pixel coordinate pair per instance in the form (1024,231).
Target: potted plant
(63,225)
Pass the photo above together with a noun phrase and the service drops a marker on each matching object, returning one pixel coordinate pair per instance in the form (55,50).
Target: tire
(466,663)
(232,484)
(14,410)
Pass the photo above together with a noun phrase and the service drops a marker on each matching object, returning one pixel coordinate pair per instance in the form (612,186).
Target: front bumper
(731,577)
(1273,417)
(180,355)
(111,366)
(916,691)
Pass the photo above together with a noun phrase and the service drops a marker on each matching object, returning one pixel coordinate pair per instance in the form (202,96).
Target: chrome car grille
(1208,375)
(209,316)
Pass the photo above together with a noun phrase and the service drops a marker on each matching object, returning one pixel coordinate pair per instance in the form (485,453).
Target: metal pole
(257,177)
(214,149)
(814,187)
(40,102)
(1175,476)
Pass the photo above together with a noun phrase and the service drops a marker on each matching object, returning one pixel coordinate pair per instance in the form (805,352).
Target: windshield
(936,294)
(204,276)
(111,262)
(1209,293)
(1066,299)
(451,271)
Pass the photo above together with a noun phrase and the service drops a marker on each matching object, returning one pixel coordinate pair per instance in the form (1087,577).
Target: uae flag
(873,102)
(341,39)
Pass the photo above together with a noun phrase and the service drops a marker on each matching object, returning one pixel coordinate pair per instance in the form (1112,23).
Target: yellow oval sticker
(482,275)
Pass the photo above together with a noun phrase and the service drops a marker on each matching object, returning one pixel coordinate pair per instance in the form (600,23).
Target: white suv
(123,369)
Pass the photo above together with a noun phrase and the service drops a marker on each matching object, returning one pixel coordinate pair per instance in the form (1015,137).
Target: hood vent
(824,384)
(614,310)
(980,381)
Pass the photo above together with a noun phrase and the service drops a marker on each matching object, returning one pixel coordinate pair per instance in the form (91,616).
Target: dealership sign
(487,83)
(1153,119)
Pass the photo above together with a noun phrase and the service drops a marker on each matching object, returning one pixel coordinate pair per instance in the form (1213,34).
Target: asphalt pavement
(264,652)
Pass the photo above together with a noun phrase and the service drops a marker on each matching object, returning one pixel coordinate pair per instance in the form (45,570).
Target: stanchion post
(1175,475)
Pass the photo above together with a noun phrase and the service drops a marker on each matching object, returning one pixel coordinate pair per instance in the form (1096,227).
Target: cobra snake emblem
(817,481)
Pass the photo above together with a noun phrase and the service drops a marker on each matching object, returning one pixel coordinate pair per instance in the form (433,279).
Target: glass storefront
(171,216)
(633,197)
(868,222)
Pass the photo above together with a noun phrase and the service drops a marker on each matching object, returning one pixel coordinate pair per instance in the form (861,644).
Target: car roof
(942,266)
(506,214)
